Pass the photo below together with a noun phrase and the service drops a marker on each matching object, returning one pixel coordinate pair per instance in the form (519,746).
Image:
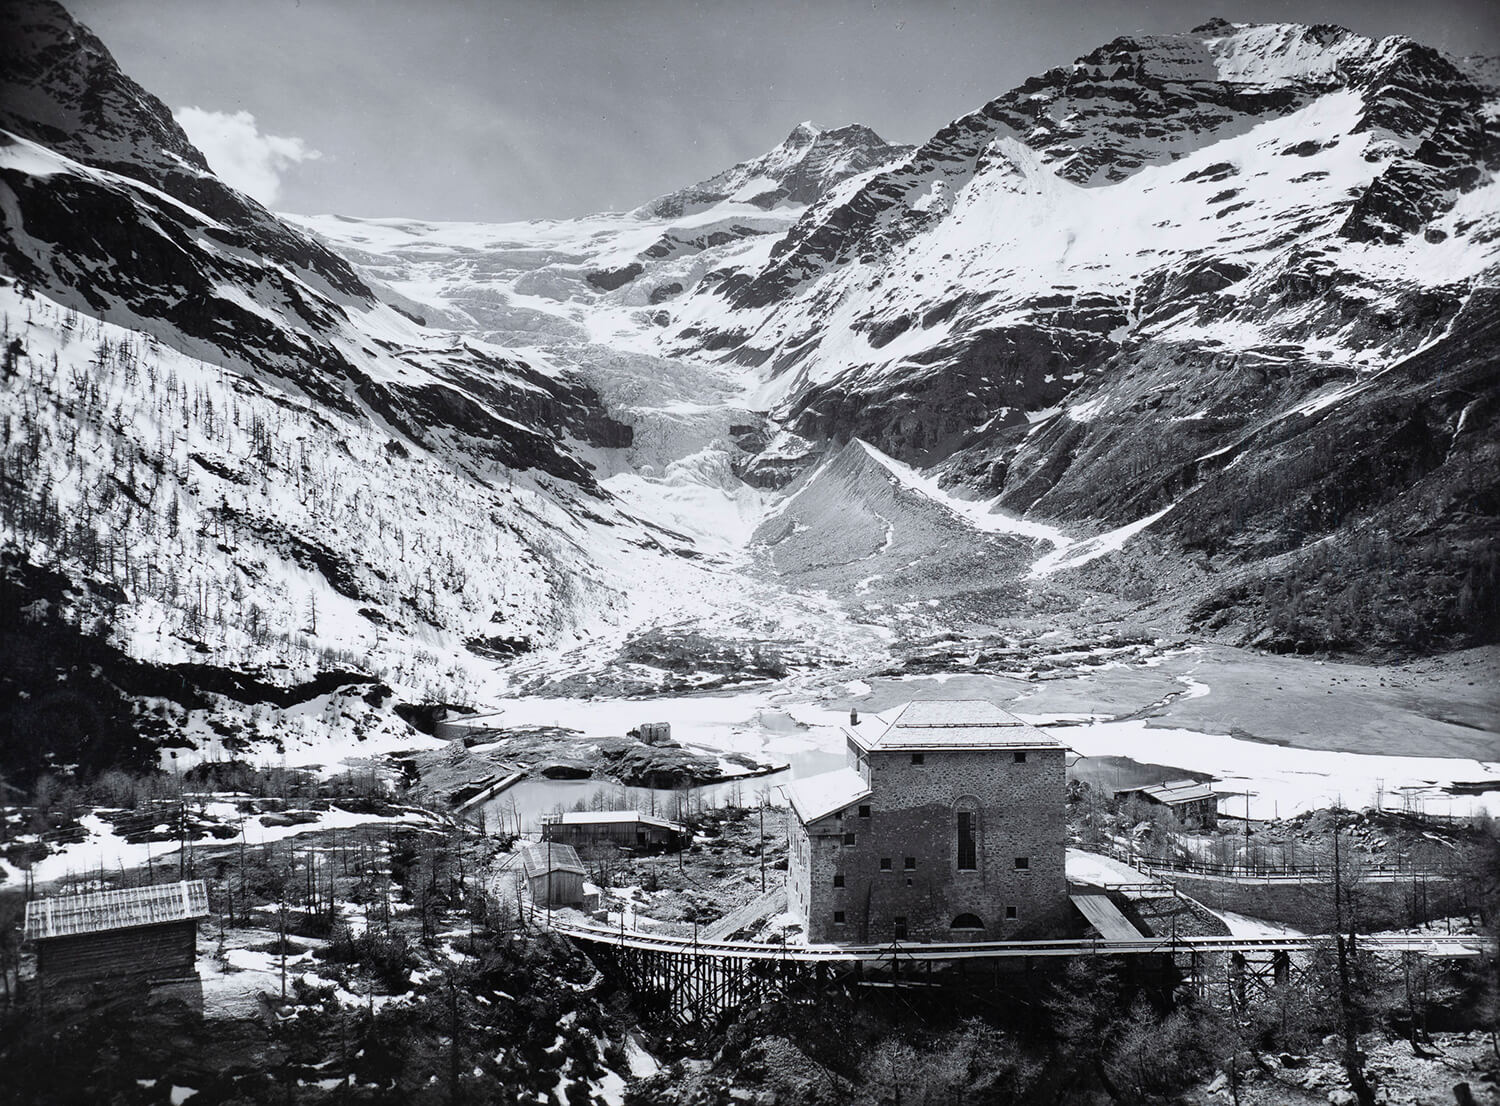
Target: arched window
(967,831)
(966,921)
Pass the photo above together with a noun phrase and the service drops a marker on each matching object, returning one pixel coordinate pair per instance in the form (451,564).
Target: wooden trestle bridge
(695,982)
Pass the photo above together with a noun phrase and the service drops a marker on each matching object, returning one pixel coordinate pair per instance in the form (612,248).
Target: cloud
(243,157)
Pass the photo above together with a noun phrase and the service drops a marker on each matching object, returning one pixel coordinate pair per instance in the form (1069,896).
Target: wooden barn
(145,932)
(592,832)
(554,874)
(1195,804)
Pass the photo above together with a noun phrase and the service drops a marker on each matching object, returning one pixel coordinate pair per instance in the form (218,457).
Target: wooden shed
(148,932)
(1195,804)
(592,832)
(554,874)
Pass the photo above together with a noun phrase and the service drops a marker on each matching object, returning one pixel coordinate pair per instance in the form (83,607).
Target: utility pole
(762,848)
(1248,854)
(1338,879)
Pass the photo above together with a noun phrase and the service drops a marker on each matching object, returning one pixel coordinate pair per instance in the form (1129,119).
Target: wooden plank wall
(162,951)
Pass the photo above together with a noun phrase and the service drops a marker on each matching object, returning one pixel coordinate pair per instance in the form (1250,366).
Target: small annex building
(554,874)
(1193,803)
(945,825)
(149,933)
(593,832)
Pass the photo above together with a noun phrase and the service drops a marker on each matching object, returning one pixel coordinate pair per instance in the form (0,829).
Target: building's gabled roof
(70,915)
(1174,791)
(938,724)
(611,818)
(815,797)
(539,859)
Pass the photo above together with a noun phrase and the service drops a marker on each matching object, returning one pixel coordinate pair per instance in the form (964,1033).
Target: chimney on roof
(853,716)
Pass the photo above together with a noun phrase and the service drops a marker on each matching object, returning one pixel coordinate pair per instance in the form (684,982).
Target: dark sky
(514,109)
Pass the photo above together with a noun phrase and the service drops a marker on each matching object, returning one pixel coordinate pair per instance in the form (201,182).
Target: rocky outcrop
(60,87)
(799,171)
(109,207)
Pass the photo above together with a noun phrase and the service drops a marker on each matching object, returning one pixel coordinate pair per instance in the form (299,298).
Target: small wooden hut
(554,874)
(146,932)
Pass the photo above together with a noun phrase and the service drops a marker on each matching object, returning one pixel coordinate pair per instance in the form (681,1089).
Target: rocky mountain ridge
(1185,271)
(799,171)
(242,452)
(112,211)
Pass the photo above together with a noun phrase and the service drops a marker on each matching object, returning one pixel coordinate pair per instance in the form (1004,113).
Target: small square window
(864,812)
(848,838)
(838,880)
(919,758)
(1010,913)
(838,917)
(885,864)
(909,863)
(1020,756)
(1022,863)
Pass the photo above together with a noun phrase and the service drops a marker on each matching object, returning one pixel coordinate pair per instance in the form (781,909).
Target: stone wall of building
(798,885)
(903,862)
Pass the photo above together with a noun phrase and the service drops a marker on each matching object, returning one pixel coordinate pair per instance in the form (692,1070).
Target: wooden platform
(1104,916)
(757,909)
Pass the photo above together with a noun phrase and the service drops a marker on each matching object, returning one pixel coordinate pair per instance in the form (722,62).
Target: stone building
(946,825)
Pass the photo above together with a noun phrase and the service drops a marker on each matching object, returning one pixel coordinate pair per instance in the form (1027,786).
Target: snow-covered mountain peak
(61,87)
(803,133)
(797,171)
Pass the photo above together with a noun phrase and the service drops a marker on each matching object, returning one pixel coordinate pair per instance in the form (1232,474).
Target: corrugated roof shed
(67,915)
(539,859)
(1174,791)
(937,724)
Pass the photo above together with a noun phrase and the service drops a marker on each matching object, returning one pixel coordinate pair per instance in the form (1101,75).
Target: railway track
(1435,946)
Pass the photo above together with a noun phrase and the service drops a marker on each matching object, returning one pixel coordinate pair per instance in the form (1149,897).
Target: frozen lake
(802,726)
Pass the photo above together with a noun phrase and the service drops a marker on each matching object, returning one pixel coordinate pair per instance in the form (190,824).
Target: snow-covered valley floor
(801,721)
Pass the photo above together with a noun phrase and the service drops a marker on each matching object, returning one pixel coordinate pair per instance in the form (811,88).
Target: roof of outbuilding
(541,858)
(938,724)
(814,797)
(610,818)
(1175,791)
(97,911)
